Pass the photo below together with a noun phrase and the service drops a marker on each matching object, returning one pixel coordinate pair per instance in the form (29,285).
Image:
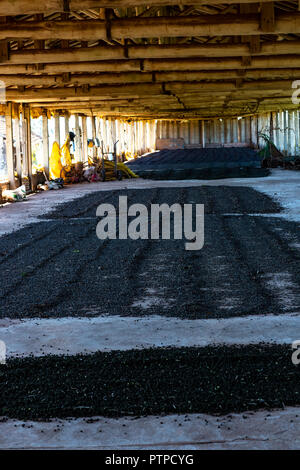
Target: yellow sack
(55,165)
(66,156)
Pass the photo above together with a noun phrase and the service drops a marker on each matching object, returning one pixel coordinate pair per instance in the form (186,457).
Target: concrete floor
(283,185)
(260,430)
(69,335)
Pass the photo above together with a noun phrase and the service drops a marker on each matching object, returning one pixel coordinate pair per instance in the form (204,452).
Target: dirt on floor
(249,263)
(215,380)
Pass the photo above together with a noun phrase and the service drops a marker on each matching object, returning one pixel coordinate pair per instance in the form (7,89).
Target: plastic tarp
(55,164)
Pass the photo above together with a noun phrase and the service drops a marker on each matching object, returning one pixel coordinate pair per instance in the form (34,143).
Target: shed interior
(146,74)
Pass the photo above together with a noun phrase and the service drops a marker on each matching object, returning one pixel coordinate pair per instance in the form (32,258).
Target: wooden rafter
(141,27)
(146,77)
(282,62)
(99,53)
(25,7)
(160,58)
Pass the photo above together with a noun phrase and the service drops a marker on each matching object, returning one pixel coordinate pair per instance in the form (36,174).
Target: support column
(94,136)
(289,133)
(66,126)
(78,155)
(18,149)
(134,138)
(98,135)
(138,143)
(120,146)
(203,133)
(296,128)
(24,142)
(9,147)
(101,132)
(84,139)
(28,142)
(240,129)
(56,129)
(277,130)
(285,131)
(45,144)
(108,135)
(150,128)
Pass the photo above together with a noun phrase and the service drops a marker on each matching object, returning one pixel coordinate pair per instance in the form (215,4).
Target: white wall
(283,128)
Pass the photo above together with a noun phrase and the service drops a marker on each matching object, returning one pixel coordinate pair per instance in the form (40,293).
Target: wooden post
(84,139)
(94,135)
(285,131)
(18,149)
(253,131)
(271,127)
(138,139)
(203,133)
(155,123)
(101,131)
(28,142)
(45,144)
(9,147)
(144,142)
(239,129)
(24,143)
(66,126)
(108,135)
(78,155)
(289,133)
(150,134)
(56,129)
(267,17)
(120,146)
(296,132)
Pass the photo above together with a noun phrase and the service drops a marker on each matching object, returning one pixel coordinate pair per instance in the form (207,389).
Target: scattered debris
(273,158)
(14,195)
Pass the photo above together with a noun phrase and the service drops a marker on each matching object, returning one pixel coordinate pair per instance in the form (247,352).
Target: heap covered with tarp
(200,163)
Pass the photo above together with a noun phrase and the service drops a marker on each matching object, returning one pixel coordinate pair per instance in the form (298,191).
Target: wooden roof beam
(140,77)
(140,27)
(137,90)
(100,53)
(25,7)
(181,65)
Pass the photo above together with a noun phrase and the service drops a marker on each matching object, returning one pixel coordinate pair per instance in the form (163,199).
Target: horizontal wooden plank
(142,77)
(25,7)
(149,27)
(280,64)
(182,89)
(103,53)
